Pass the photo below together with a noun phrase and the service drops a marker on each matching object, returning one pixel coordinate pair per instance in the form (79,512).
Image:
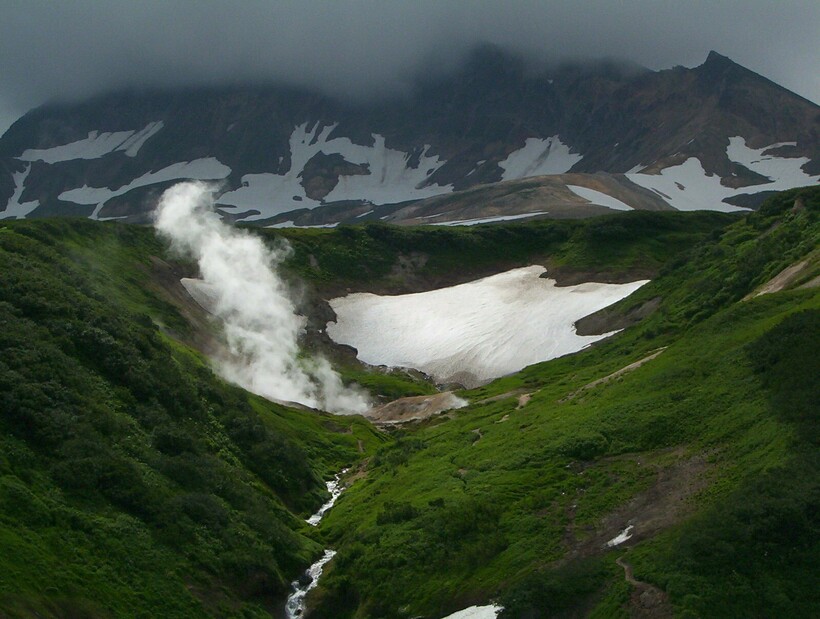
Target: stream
(295,605)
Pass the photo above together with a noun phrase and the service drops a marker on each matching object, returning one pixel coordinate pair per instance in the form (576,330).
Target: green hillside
(709,449)
(134,482)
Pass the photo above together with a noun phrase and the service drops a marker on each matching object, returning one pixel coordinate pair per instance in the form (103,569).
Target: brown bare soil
(780,281)
(667,501)
(646,601)
(413,408)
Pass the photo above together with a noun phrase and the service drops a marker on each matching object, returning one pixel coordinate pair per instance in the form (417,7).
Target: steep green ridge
(132,480)
(709,449)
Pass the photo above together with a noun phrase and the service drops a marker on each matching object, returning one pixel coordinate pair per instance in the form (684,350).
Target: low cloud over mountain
(361,49)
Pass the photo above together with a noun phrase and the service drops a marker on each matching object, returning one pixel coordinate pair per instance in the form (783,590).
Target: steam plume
(247,295)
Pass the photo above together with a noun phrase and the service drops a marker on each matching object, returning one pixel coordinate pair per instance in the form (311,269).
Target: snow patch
(473,332)
(16,209)
(687,187)
(390,179)
(95,145)
(477,612)
(132,145)
(199,169)
(482,220)
(599,198)
(785,172)
(621,537)
(537,157)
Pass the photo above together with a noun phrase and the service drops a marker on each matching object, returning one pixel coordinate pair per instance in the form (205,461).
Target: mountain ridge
(286,156)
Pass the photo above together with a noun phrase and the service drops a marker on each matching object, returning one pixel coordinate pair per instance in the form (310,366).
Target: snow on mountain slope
(599,197)
(16,209)
(538,157)
(95,145)
(473,332)
(201,169)
(684,138)
(486,220)
(784,172)
(389,178)
(688,187)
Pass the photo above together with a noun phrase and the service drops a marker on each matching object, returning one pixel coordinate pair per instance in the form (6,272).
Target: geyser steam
(251,301)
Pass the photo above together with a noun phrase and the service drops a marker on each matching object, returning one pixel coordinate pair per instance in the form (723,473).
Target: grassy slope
(132,480)
(491,502)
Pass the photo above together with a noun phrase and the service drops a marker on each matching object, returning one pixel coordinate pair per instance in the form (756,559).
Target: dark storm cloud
(367,48)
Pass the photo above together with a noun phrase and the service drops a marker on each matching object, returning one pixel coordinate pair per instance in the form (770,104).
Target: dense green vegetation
(133,482)
(378,256)
(718,433)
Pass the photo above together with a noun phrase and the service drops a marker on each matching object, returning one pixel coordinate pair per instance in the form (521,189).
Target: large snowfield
(473,332)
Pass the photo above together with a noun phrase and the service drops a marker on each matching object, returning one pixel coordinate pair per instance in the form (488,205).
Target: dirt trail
(614,375)
(646,601)
(779,281)
(502,396)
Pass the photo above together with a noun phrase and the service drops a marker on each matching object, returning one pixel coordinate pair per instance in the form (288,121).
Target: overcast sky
(366,48)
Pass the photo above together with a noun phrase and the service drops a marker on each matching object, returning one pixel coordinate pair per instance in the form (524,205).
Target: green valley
(135,482)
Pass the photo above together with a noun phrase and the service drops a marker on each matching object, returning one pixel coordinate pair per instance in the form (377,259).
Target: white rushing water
(334,487)
(295,605)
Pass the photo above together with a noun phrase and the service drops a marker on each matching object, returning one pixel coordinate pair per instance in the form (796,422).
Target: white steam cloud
(245,293)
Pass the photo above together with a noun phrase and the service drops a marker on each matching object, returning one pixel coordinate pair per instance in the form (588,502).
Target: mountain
(590,138)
